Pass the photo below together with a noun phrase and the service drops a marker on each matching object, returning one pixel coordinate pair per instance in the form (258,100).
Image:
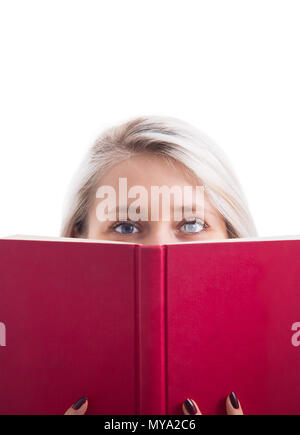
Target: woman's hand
(233,406)
(189,407)
(79,408)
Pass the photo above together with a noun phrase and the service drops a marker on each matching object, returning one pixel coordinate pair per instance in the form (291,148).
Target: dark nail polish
(234,401)
(79,404)
(190,407)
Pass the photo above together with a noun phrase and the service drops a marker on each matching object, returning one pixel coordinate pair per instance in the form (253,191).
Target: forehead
(147,171)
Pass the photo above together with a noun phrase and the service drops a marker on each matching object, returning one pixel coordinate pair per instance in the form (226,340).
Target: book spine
(151,330)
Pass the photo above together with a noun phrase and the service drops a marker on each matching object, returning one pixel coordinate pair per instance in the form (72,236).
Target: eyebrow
(178,208)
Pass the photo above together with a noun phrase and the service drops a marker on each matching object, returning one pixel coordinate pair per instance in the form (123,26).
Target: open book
(138,329)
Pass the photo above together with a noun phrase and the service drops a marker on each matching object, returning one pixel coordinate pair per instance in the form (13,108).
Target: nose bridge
(160,234)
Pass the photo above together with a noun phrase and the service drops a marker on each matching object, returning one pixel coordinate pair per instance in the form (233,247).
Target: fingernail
(234,401)
(190,407)
(79,404)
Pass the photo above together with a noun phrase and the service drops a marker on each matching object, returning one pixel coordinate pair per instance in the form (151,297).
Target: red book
(138,329)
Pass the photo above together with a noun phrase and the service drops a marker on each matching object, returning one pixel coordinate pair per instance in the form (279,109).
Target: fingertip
(80,403)
(78,408)
(84,407)
(190,407)
(233,406)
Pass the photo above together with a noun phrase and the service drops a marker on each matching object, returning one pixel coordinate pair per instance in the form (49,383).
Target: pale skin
(150,171)
(230,409)
(147,171)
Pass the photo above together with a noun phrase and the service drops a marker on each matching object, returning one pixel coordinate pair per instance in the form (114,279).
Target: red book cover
(138,329)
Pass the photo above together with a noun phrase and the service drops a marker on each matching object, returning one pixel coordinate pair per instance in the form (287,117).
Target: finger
(190,407)
(79,408)
(233,406)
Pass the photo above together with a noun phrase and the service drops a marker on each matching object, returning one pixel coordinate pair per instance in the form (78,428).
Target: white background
(70,68)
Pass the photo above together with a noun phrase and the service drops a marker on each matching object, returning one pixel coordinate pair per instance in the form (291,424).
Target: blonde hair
(165,137)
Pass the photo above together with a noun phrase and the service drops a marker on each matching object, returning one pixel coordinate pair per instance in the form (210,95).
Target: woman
(149,152)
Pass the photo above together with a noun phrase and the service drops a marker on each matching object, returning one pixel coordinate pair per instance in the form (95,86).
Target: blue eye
(193,226)
(126,228)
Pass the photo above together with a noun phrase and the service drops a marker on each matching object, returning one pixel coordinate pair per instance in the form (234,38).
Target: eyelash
(193,221)
(119,223)
(183,222)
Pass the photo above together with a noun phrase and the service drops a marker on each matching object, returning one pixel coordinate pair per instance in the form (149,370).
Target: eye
(193,226)
(125,228)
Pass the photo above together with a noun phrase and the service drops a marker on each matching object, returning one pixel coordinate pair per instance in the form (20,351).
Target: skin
(145,170)
(230,410)
(150,171)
